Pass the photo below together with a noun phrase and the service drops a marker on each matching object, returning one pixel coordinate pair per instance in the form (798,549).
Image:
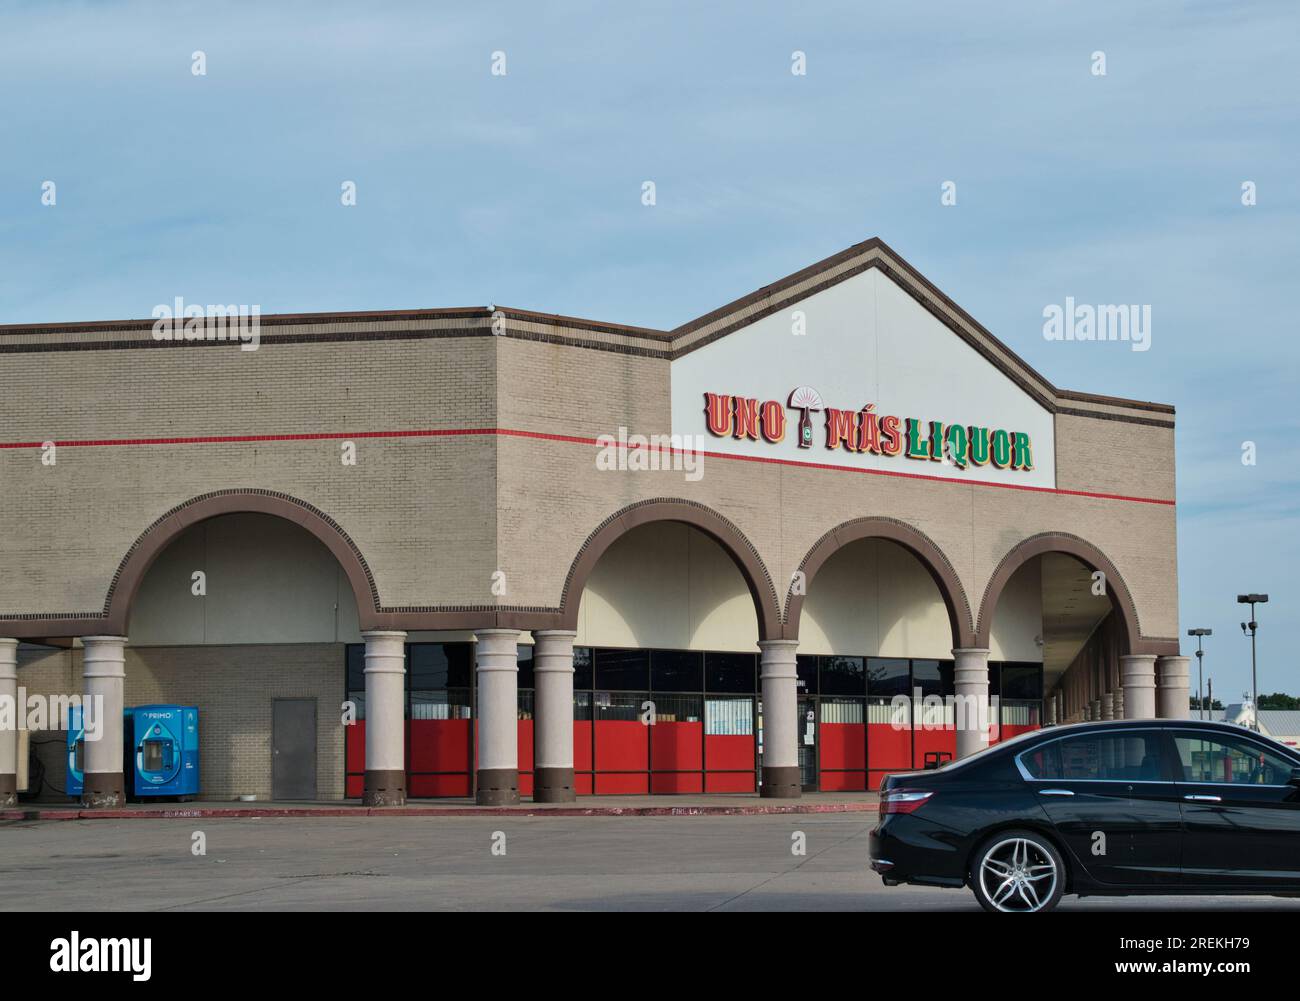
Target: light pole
(1200,674)
(1252,600)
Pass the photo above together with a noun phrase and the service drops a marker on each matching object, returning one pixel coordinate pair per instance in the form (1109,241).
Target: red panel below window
(582,745)
(669,782)
(354,747)
(727,752)
(843,745)
(355,787)
(621,746)
(439,745)
(729,781)
(843,781)
(677,747)
(621,785)
(888,748)
(433,786)
(525,745)
(582,784)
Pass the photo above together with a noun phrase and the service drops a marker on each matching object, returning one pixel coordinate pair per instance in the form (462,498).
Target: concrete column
(497,668)
(553,723)
(780,686)
(9,735)
(1138,671)
(1049,711)
(971,683)
(104,671)
(1173,694)
(385,718)
(1108,706)
(1118,696)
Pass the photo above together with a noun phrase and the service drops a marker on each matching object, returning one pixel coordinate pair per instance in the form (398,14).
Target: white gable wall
(867,341)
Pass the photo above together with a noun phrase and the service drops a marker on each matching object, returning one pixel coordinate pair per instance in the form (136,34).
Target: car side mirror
(1294,780)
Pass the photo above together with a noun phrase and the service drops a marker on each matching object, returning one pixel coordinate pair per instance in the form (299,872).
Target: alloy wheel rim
(1018,875)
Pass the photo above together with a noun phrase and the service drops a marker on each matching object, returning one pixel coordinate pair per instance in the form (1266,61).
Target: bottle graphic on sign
(805,399)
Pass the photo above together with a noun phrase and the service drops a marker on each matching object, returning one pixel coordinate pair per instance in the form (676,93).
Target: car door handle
(1205,799)
(1055,792)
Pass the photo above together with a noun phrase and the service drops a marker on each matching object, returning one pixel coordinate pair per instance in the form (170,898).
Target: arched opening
(668,617)
(880,614)
(1087,621)
(238,604)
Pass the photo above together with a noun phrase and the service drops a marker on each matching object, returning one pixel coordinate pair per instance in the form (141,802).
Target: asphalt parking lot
(476,863)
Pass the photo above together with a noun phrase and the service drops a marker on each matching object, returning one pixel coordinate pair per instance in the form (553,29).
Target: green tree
(1279,700)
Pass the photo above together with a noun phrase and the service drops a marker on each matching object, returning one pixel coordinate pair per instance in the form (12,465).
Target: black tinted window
(1226,758)
(623,670)
(843,676)
(676,671)
(1126,756)
(1022,681)
(582,673)
(731,672)
(435,666)
(888,677)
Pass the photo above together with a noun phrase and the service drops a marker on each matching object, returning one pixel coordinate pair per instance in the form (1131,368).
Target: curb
(278,813)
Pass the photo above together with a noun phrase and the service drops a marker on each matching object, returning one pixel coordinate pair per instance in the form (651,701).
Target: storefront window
(678,708)
(676,671)
(623,670)
(439,665)
(731,672)
(1022,682)
(620,705)
(524,656)
(933,677)
(843,676)
(582,662)
(888,676)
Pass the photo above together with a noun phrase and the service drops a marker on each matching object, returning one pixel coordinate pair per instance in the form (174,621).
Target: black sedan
(1123,807)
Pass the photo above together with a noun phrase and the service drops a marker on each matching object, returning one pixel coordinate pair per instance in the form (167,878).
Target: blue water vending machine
(76,751)
(165,750)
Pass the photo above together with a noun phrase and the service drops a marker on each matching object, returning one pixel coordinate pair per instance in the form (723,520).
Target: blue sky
(525,189)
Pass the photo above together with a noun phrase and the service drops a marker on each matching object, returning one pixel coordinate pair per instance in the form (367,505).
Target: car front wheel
(1017,871)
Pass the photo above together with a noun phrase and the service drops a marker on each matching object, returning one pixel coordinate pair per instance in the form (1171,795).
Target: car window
(1128,756)
(1225,758)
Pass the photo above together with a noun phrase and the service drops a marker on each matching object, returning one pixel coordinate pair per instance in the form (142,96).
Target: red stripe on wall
(572,439)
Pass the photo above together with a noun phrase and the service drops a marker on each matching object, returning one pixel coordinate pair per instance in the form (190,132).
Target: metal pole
(1200,675)
(1254,674)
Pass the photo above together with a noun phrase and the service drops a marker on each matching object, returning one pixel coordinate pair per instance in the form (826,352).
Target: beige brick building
(288,529)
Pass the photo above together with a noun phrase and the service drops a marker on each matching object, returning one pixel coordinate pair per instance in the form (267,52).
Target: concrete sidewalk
(715,805)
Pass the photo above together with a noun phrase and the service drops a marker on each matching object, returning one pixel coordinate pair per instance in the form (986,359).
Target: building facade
(492,552)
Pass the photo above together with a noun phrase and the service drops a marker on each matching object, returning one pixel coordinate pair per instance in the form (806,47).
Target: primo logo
(102,955)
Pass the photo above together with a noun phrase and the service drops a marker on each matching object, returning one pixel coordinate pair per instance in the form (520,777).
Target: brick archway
(722,531)
(158,536)
(1094,559)
(920,545)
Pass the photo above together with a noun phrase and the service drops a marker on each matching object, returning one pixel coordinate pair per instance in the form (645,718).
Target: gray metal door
(293,749)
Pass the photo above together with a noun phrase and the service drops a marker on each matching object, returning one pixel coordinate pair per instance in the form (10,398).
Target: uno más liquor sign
(865,431)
